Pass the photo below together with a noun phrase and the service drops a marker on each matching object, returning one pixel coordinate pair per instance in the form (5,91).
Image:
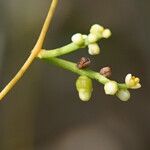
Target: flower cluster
(84,87)
(84,83)
(111,88)
(131,82)
(96,33)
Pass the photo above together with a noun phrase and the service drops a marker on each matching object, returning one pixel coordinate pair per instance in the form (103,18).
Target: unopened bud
(96,29)
(94,49)
(106,33)
(123,95)
(111,87)
(84,87)
(78,39)
(92,38)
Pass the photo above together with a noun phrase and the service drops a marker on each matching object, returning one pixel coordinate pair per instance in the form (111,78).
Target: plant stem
(73,68)
(58,51)
(37,48)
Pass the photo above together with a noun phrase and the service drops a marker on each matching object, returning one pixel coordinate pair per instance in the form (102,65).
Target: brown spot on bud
(83,63)
(106,71)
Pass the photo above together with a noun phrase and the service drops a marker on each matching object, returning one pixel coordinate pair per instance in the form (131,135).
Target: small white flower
(93,49)
(106,33)
(78,39)
(123,95)
(111,87)
(96,29)
(132,81)
(92,38)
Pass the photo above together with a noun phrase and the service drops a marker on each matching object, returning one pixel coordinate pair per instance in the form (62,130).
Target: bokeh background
(43,111)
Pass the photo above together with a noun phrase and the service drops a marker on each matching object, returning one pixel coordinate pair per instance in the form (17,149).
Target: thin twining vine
(34,52)
(84,81)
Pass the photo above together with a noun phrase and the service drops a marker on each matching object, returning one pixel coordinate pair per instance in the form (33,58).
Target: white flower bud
(78,39)
(93,49)
(106,33)
(92,38)
(123,95)
(111,87)
(96,29)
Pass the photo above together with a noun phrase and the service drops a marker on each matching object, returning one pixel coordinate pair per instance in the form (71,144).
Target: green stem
(73,68)
(58,51)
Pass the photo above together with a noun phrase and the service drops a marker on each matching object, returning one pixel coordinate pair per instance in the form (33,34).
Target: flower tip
(106,33)
(84,95)
(96,29)
(128,77)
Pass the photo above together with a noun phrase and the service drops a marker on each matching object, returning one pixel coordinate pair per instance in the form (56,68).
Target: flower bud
(123,95)
(111,87)
(78,39)
(96,29)
(92,38)
(84,87)
(94,49)
(106,33)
